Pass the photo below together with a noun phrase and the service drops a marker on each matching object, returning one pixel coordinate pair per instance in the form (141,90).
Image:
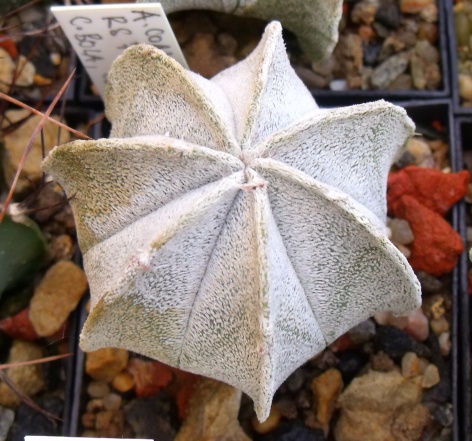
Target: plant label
(99,33)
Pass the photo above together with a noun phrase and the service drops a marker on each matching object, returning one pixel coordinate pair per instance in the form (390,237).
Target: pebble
(389,70)
(381,362)
(310,78)
(444,414)
(269,424)
(419,149)
(326,389)
(295,381)
(439,325)
(112,401)
(427,52)
(294,431)
(430,376)
(445,344)
(25,72)
(414,324)
(411,365)
(286,407)
(338,85)
(429,32)
(389,14)
(418,72)
(395,343)
(351,362)
(7,69)
(465,87)
(213,414)
(55,58)
(404,250)
(429,284)
(14,144)
(29,378)
(203,56)
(414,6)
(401,231)
(437,306)
(303,399)
(365,11)
(104,364)
(149,376)
(123,382)
(362,332)
(58,294)
(62,247)
(98,389)
(29,421)
(371,53)
(7,416)
(430,13)
(368,412)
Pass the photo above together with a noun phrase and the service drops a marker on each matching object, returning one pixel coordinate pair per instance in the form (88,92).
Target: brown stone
(56,297)
(370,407)
(29,378)
(408,425)
(16,141)
(213,414)
(123,382)
(104,364)
(269,424)
(326,389)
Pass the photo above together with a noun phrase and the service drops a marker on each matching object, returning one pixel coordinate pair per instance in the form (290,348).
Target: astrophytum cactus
(314,22)
(230,227)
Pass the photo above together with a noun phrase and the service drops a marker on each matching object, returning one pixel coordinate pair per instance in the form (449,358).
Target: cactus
(230,227)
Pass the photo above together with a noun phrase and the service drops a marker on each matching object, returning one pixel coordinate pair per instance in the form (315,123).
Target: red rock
(19,326)
(149,376)
(434,189)
(342,344)
(8,44)
(185,388)
(437,246)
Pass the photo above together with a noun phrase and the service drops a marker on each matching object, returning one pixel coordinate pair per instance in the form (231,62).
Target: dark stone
(395,343)
(429,284)
(303,399)
(296,380)
(350,364)
(371,53)
(153,418)
(327,359)
(31,422)
(405,160)
(389,14)
(294,431)
(363,332)
(444,415)
(382,31)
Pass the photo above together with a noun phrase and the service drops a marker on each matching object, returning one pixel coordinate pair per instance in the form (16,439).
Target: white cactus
(230,227)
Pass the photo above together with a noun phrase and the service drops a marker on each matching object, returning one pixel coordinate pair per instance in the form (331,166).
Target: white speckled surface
(230,227)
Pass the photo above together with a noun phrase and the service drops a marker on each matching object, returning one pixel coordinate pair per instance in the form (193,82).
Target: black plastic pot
(463,130)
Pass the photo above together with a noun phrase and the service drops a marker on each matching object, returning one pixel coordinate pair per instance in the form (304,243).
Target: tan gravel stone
(56,297)
(30,378)
(104,364)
